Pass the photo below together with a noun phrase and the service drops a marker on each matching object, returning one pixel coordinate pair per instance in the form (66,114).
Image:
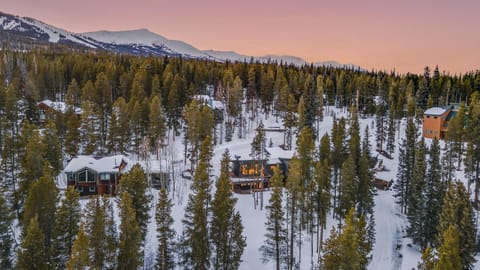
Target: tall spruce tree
(67,220)
(433,194)
(349,248)
(6,237)
(41,205)
(275,245)
(101,233)
(416,211)
(130,238)
(165,232)
(135,183)
(32,254)
(195,244)
(79,259)
(406,163)
(221,226)
(458,211)
(449,251)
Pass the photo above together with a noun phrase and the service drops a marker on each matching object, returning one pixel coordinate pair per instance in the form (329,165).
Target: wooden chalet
(435,121)
(47,109)
(248,175)
(95,175)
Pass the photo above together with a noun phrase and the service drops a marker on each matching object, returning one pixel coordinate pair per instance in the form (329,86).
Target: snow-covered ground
(392,249)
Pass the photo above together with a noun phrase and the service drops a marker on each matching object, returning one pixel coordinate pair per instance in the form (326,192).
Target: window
(428,116)
(80,189)
(70,177)
(82,176)
(434,117)
(91,189)
(105,176)
(90,177)
(86,176)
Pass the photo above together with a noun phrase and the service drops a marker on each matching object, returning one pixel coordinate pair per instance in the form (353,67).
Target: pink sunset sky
(381,34)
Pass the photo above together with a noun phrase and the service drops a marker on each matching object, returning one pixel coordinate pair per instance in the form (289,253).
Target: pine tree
(165,232)
(275,244)
(79,259)
(348,188)
(406,163)
(391,134)
(365,188)
(72,136)
(66,227)
(31,167)
(337,159)
(416,211)
(323,196)
(221,226)
(41,205)
(449,251)
(458,211)
(455,133)
(428,260)
(348,249)
(130,239)
(433,195)
(51,141)
(100,231)
(157,127)
(195,244)
(32,254)
(135,183)
(293,185)
(6,240)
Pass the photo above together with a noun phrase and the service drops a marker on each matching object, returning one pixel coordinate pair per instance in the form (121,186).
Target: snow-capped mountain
(20,30)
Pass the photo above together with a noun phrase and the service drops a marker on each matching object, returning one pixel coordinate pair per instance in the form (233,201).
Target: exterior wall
(433,125)
(97,187)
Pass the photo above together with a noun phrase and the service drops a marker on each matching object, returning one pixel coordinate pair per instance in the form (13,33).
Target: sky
(402,35)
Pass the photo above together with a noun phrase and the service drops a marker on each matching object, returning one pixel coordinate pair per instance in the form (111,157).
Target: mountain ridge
(136,41)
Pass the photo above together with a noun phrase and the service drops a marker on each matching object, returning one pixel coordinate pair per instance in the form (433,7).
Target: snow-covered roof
(436,111)
(154,166)
(104,164)
(276,153)
(212,103)
(59,106)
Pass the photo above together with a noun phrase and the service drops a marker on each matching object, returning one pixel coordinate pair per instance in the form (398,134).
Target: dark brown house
(95,175)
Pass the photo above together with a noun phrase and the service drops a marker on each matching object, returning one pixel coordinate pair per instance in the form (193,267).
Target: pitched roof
(59,106)
(104,164)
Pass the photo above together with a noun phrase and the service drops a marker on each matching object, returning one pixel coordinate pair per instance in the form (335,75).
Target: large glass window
(90,177)
(82,176)
(86,176)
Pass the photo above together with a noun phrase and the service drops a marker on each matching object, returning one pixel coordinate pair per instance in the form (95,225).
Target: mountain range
(28,32)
